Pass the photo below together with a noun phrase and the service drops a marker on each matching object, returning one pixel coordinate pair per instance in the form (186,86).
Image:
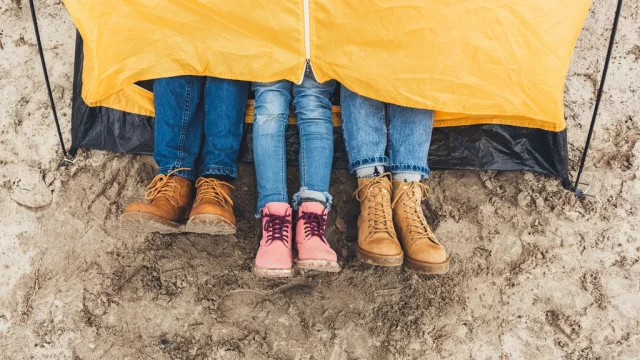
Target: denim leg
(224,106)
(312,104)
(269,152)
(179,124)
(364,130)
(409,139)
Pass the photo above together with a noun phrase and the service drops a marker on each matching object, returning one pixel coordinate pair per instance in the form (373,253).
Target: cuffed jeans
(311,101)
(198,125)
(366,136)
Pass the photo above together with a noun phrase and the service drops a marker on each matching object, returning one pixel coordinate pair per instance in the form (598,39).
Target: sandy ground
(537,274)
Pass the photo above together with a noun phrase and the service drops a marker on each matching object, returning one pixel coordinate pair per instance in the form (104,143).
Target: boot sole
(148,223)
(379,260)
(427,268)
(319,265)
(272,273)
(210,224)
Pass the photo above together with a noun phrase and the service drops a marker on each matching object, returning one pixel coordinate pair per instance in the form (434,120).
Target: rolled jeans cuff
(368,162)
(262,202)
(410,169)
(187,174)
(305,193)
(217,170)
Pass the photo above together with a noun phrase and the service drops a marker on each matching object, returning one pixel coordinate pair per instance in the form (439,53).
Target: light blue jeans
(312,104)
(366,135)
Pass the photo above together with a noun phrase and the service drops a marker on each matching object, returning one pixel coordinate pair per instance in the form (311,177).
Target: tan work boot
(212,211)
(422,250)
(169,200)
(377,240)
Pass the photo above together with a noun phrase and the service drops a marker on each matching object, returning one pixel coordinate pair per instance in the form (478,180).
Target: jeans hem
(187,174)
(410,169)
(218,170)
(297,198)
(262,204)
(368,162)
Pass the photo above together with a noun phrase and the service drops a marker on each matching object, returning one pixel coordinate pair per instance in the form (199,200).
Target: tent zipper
(307,42)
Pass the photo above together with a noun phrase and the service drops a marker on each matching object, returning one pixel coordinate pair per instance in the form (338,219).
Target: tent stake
(576,190)
(66,160)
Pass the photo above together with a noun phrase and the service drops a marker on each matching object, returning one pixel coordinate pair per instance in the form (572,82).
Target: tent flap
(472,61)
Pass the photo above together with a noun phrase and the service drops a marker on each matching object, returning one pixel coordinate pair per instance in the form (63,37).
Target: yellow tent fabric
(473,61)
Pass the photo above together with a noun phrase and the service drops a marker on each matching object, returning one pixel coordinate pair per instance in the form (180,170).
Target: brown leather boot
(422,250)
(212,211)
(377,241)
(169,200)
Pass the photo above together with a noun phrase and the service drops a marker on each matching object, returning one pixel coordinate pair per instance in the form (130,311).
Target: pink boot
(314,252)
(274,258)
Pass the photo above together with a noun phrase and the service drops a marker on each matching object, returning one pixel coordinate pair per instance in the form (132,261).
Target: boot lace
(380,217)
(209,188)
(276,227)
(314,224)
(416,222)
(163,185)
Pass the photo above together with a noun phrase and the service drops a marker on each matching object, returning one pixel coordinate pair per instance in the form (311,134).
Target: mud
(536,273)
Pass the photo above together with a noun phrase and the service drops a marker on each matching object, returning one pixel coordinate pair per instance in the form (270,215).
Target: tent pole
(578,192)
(66,160)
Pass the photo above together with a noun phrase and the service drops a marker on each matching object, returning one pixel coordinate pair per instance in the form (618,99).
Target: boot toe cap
(138,207)
(163,211)
(316,250)
(150,209)
(428,253)
(382,245)
(274,256)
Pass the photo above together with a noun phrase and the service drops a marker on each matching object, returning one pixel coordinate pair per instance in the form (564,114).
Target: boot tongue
(398,186)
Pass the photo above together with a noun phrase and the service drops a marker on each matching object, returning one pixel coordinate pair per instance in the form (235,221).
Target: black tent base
(479,147)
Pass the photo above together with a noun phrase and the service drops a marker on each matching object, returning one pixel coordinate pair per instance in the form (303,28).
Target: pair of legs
(198,130)
(391,227)
(311,101)
(312,104)
(367,136)
(199,122)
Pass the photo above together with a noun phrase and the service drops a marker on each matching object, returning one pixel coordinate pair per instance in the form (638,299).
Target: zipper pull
(307,68)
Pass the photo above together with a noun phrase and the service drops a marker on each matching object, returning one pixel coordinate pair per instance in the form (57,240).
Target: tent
(493,71)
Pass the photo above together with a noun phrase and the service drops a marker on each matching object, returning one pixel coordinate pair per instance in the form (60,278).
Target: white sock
(369,172)
(407,177)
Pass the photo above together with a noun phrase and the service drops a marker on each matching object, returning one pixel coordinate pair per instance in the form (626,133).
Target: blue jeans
(312,104)
(199,123)
(366,136)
